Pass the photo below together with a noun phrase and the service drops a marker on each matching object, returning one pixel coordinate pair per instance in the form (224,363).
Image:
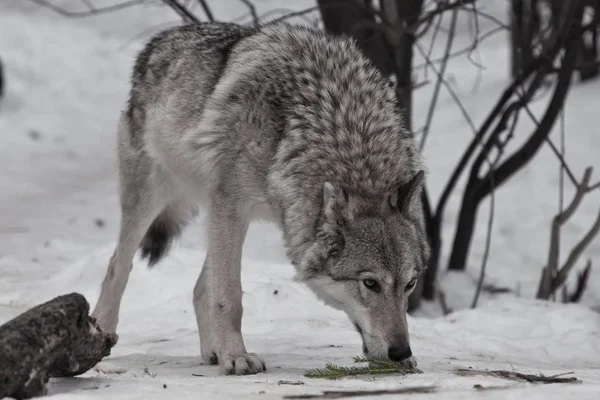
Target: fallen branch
(360,393)
(54,339)
(375,367)
(517,376)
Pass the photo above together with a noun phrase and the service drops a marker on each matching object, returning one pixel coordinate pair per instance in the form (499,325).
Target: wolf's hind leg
(142,199)
(137,215)
(202,309)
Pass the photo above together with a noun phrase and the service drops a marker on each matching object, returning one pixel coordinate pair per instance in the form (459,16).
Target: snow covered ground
(66,82)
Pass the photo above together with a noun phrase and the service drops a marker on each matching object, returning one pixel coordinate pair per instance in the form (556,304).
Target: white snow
(66,82)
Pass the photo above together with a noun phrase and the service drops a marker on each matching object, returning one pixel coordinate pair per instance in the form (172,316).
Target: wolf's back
(188,41)
(186,60)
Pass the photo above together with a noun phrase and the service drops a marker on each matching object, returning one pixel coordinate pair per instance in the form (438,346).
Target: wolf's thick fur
(277,122)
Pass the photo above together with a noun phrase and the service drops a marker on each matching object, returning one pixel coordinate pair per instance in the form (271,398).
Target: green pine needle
(380,367)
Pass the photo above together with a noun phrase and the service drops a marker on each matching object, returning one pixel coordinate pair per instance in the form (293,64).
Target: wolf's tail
(164,230)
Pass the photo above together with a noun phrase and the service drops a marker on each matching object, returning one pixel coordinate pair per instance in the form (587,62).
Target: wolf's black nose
(399,353)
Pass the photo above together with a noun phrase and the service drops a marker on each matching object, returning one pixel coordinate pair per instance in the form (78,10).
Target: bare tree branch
(442,8)
(294,14)
(477,188)
(561,159)
(550,271)
(185,14)
(436,90)
(91,9)
(207,10)
(253,13)
(577,251)
(594,187)
(465,50)
(582,281)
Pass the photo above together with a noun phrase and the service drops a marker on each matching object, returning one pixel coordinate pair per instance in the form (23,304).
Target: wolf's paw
(209,357)
(242,364)
(410,362)
(106,319)
(207,349)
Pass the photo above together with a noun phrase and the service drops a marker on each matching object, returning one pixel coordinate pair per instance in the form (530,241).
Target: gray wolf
(279,122)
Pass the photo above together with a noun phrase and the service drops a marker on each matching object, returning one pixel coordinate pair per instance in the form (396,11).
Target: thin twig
(475,10)
(150,31)
(252,10)
(187,16)
(207,10)
(91,11)
(476,33)
(561,173)
(436,31)
(442,8)
(438,84)
(451,91)
(490,224)
(89,5)
(594,187)
(294,14)
(549,141)
(463,51)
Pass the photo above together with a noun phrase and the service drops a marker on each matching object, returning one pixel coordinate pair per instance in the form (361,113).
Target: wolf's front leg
(228,227)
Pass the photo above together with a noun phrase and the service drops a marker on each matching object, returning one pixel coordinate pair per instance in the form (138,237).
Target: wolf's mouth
(360,331)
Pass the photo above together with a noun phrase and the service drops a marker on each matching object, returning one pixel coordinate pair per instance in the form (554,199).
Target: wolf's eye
(410,285)
(372,284)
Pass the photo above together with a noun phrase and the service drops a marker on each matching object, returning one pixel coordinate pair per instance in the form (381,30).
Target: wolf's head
(367,263)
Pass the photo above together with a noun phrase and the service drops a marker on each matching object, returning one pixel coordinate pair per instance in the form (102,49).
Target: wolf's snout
(399,353)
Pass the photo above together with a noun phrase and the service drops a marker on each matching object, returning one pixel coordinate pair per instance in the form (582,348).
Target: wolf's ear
(335,203)
(408,194)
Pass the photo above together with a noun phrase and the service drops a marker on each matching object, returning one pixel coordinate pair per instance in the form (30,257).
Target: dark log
(54,339)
